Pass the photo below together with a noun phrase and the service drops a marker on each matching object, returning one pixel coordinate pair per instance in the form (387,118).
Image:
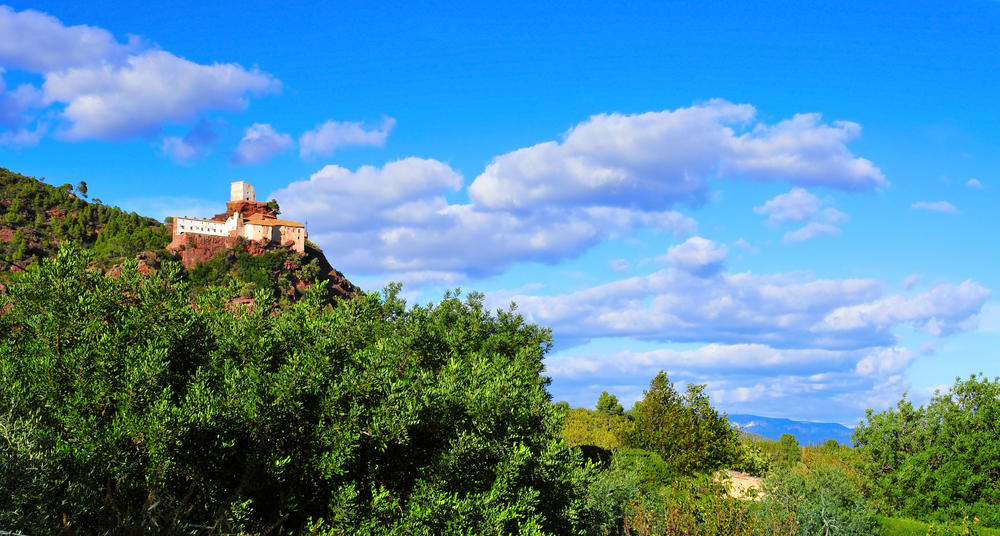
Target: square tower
(242,191)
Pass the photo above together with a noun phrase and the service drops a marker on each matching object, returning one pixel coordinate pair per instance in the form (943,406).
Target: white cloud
(939,311)
(698,256)
(397,219)
(40,43)
(732,357)
(261,143)
(974,183)
(102,89)
(811,230)
(912,280)
(781,310)
(815,384)
(800,206)
(195,144)
(885,361)
(332,135)
(935,206)
(657,159)
(151,89)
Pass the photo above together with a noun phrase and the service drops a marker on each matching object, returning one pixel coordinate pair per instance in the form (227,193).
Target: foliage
(272,205)
(608,404)
(280,274)
(752,459)
(685,430)
(789,452)
(587,427)
(825,500)
(42,216)
(700,507)
(127,409)
(890,526)
(940,462)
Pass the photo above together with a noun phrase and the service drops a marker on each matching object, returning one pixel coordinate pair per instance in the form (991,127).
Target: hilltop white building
(247,218)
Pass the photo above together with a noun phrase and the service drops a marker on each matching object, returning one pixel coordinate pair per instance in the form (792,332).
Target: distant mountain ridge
(805,432)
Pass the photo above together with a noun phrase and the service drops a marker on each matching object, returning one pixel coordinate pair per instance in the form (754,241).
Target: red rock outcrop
(195,248)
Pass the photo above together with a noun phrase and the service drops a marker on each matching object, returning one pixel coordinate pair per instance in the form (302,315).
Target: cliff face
(195,248)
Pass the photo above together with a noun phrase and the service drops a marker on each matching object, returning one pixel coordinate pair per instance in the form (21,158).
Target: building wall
(296,235)
(242,191)
(194,225)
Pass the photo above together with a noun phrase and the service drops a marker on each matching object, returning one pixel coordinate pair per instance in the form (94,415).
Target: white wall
(192,225)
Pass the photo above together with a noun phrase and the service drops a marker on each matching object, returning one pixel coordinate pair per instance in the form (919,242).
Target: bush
(825,500)
(940,462)
(752,459)
(127,410)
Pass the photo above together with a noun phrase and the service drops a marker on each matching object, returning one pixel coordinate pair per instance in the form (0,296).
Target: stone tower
(242,191)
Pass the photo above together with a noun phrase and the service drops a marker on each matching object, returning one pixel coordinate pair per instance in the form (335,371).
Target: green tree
(685,430)
(81,188)
(608,404)
(938,462)
(272,205)
(789,452)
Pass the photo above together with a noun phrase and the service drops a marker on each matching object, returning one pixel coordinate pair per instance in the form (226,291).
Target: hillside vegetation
(36,217)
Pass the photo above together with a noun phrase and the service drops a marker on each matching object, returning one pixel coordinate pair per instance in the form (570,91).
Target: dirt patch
(743,486)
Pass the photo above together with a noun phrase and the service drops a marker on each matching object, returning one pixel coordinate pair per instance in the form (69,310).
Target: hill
(36,217)
(805,432)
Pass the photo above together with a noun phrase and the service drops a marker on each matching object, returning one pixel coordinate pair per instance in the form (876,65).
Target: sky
(792,203)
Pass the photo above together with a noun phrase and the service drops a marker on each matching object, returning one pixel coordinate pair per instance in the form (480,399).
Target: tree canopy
(685,430)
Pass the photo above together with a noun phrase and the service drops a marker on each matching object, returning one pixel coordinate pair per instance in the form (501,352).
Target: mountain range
(805,432)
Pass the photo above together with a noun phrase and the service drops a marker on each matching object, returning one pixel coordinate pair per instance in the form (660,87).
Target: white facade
(194,225)
(242,191)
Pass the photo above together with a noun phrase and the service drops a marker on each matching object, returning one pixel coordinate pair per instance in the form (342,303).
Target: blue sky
(791,203)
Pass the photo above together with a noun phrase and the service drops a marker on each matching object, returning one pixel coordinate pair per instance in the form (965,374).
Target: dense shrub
(825,501)
(127,409)
(700,507)
(940,462)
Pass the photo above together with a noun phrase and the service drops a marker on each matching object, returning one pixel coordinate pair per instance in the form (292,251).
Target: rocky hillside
(36,217)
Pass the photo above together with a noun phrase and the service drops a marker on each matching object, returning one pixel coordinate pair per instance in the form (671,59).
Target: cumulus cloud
(149,90)
(658,159)
(974,183)
(805,383)
(261,143)
(800,206)
(332,135)
(811,230)
(912,280)
(935,206)
(39,43)
(885,361)
(939,311)
(698,256)
(397,219)
(195,144)
(780,310)
(102,89)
